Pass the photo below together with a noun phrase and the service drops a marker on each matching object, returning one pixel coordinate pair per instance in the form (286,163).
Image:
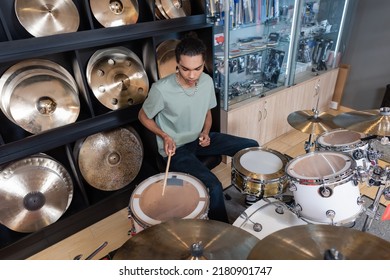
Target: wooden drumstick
(166,173)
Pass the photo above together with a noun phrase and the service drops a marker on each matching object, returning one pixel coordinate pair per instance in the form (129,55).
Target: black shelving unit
(72,51)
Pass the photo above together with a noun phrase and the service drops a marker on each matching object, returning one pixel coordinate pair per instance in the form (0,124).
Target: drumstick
(166,173)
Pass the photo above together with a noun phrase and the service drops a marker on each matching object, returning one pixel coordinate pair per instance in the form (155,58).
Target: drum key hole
(330,214)
(325,191)
(279,209)
(257,227)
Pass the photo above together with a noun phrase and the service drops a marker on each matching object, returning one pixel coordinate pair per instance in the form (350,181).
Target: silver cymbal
(117,77)
(110,160)
(34,193)
(371,122)
(47,17)
(115,13)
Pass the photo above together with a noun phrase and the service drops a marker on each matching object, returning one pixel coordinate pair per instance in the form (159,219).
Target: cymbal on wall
(115,13)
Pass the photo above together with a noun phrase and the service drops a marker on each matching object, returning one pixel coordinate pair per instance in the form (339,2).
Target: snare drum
(184,197)
(259,171)
(325,187)
(342,140)
(271,216)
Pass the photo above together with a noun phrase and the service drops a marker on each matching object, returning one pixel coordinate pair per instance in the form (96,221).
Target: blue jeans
(185,160)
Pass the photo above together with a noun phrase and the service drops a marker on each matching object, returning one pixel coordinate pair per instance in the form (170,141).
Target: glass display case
(263,45)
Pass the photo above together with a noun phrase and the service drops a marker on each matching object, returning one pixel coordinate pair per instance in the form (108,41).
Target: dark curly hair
(190,45)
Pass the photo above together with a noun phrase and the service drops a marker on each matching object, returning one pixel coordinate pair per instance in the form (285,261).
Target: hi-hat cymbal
(176,8)
(319,242)
(47,17)
(307,122)
(110,160)
(117,77)
(115,13)
(34,193)
(166,58)
(181,239)
(371,122)
(38,95)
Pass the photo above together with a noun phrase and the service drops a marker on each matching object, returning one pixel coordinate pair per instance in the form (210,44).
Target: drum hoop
(135,209)
(352,145)
(236,165)
(338,223)
(329,182)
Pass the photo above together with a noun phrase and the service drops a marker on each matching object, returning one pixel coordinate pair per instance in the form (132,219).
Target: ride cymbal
(370,122)
(34,193)
(319,242)
(307,122)
(115,13)
(166,58)
(117,77)
(181,239)
(176,8)
(110,160)
(47,17)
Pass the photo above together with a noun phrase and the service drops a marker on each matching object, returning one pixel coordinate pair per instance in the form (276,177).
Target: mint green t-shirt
(178,114)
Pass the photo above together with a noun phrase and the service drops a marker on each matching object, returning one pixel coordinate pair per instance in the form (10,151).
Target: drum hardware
(330,214)
(188,239)
(380,179)
(319,242)
(166,173)
(256,226)
(325,191)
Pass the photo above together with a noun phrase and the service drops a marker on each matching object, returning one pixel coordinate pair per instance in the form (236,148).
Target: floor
(112,232)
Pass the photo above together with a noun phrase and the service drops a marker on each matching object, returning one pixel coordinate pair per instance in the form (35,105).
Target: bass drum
(259,171)
(184,197)
(325,187)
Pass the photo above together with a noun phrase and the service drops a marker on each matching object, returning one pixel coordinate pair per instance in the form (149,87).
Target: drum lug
(360,200)
(298,208)
(293,187)
(325,191)
(330,214)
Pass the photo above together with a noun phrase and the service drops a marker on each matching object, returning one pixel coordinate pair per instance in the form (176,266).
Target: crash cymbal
(34,193)
(181,239)
(176,8)
(47,17)
(117,77)
(115,12)
(38,95)
(166,58)
(307,122)
(319,242)
(371,122)
(110,160)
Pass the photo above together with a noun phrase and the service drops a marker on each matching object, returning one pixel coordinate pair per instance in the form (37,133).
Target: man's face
(190,69)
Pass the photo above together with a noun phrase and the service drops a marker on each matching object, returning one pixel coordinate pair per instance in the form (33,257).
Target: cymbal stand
(380,179)
(309,143)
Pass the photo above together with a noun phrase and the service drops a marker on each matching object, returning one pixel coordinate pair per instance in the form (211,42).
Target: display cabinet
(72,50)
(262,46)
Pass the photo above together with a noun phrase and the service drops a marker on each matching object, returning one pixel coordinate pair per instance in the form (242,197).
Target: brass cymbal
(307,122)
(166,58)
(38,95)
(319,242)
(47,17)
(372,122)
(176,8)
(115,13)
(159,11)
(117,77)
(110,160)
(34,193)
(181,239)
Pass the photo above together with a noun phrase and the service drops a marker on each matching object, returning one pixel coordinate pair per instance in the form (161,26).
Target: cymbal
(159,11)
(181,239)
(176,8)
(34,193)
(166,58)
(110,160)
(115,13)
(117,77)
(371,122)
(307,122)
(319,242)
(38,95)
(47,17)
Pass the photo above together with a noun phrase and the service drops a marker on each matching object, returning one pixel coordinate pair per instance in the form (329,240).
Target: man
(178,111)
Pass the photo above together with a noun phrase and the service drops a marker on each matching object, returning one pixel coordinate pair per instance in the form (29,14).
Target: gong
(110,160)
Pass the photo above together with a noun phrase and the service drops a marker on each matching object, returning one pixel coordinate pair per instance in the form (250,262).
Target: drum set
(316,193)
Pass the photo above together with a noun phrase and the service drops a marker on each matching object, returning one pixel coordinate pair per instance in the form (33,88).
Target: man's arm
(204,139)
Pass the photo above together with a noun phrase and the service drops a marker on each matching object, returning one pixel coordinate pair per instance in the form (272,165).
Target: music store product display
(34,192)
(115,13)
(166,9)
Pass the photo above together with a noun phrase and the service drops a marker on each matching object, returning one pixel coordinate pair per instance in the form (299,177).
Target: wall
(367,51)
